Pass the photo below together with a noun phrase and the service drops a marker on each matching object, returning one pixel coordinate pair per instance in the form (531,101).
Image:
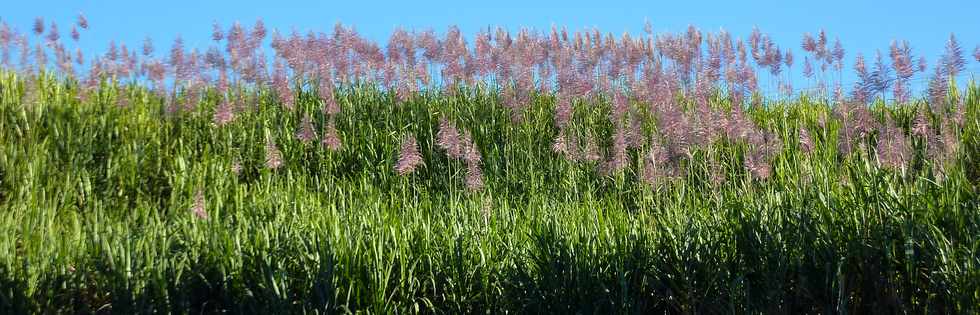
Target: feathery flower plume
(892,150)
(953,61)
(735,125)
(806,142)
(976,53)
(560,145)
(38,27)
(40,56)
(74,34)
(177,58)
(281,83)
(764,142)
(258,31)
(920,125)
(620,106)
(676,129)
(147,46)
(634,135)
(838,55)
(273,157)
(822,44)
(904,66)
(807,67)
(474,176)
(6,37)
(944,147)
(938,87)
(617,160)
(224,113)
(409,157)
(325,90)
(331,140)
(447,138)
(216,33)
(306,132)
(704,124)
(860,125)
(880,77)
(809,44)
(53,34)
(716,172)
(198,208)
(591,151)
(566,145)
(860,93)
(471,153)
(758,166)
(82,21)
(901,55)
(563,109)
(79,57)
(654,163)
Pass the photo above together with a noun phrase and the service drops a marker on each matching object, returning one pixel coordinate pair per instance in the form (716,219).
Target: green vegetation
(97,210)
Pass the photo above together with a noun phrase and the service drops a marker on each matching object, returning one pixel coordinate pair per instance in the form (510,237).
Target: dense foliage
(295,194)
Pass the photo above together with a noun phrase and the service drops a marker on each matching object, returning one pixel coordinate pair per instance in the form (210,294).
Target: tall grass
(96,212)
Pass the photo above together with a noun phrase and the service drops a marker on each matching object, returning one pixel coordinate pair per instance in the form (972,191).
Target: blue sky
(861,25)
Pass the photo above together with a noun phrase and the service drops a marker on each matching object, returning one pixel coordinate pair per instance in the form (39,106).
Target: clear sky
(861,25)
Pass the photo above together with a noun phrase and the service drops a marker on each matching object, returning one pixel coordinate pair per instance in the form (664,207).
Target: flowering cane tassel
(331,139)
(306,132)
(224,113)
(198,208)
(448,139)
(409,157)
(273,157)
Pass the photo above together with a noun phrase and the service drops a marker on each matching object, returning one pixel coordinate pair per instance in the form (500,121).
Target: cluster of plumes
(893,149)
(306,133)
(683,133)
(575,149)
(856,125)
(409,157)
(655,67)
(893,146)
(650,72)
(181,77)
(460,146)
(763,146)
(941,144)
(331,139)
(821,57)
(770,57)
(678,134)
(874,82)
(627,134)
(49,39)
